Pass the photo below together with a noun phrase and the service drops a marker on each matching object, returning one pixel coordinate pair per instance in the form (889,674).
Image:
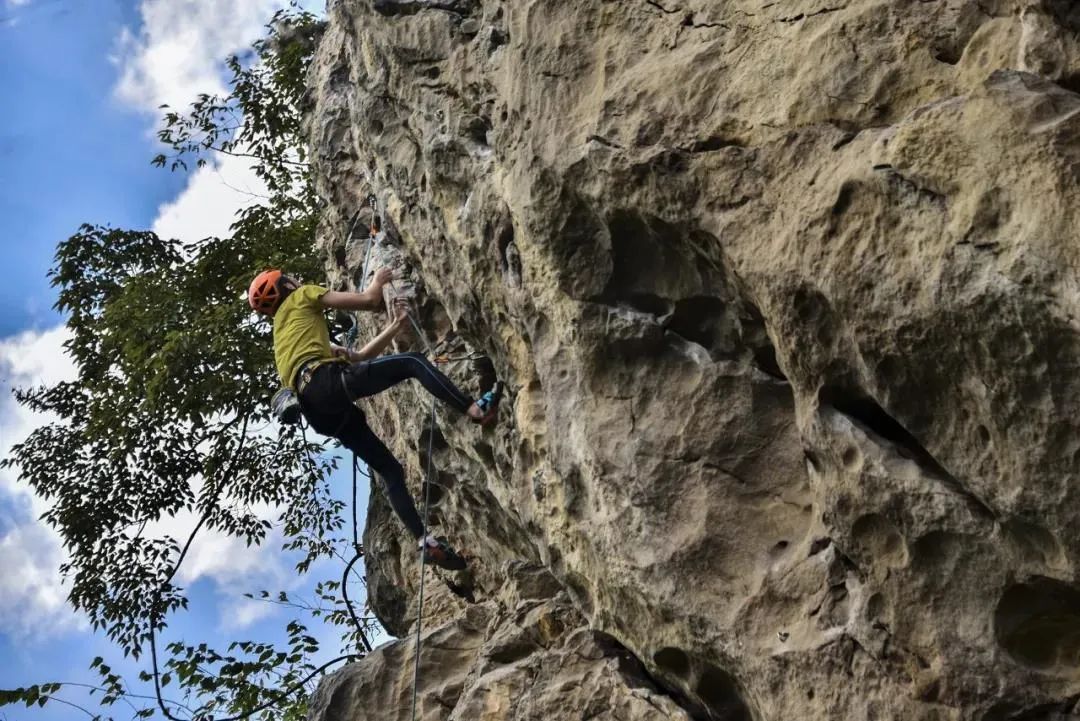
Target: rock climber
(329,379)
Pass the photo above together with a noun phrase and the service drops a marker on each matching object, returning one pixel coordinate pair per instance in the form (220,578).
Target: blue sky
(69,152)
(82,81)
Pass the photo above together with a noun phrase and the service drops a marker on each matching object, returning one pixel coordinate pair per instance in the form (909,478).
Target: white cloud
(32,597)
(177,52)
(234,569)
(245,612)
(33,601)
(208,205)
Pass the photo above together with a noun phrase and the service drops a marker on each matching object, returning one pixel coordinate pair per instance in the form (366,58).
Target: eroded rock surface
(526,654)
(785,295)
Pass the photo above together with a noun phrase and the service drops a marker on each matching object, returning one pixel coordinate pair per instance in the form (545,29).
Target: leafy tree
(169,415)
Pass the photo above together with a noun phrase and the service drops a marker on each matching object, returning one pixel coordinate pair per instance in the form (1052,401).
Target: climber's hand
(383,276)
(401,313)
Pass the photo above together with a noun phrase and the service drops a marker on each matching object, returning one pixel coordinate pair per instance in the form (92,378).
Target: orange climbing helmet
(266,292)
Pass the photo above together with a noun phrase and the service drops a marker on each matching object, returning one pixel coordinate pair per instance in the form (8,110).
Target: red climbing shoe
(439,553)
(489,405)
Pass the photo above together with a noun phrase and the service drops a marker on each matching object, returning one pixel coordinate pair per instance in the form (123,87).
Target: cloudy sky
(84,79)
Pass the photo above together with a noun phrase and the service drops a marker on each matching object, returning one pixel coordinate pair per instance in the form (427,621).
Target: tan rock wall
(786,298)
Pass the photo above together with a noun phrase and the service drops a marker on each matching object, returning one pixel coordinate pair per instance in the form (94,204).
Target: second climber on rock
(328,380)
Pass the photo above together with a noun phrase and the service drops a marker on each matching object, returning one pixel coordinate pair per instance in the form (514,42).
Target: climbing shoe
(438,552)
(489,405)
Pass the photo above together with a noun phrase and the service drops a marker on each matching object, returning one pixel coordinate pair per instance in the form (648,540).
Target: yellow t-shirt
(300,332)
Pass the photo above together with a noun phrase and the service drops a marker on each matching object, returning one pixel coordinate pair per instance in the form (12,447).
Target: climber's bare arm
(377,344)
(370,298)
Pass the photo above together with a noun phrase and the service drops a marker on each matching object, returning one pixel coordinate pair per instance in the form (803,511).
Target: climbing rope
(351,337)
(373,234)
(423,560)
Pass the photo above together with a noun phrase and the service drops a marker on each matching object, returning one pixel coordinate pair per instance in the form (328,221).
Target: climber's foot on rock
(438,552)
(486,409)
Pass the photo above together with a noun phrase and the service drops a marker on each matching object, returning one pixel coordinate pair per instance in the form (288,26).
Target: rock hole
(477,129)
(673,661)
(434,493)
(433,72)
(505,236)
(870,416)
(778,549)
(879,541)
(949,55)
(720,695)
(704,690)
(497,40)
(843,198)
(462,590)
(437,443)
(509,257)
(702,320)
(891,369)
(850,457)
(812,461)
(935,554)
(875,607)
(1070,82)
(483,369)
(650,304)
(756,336)
(1033,543)
(652,256)
(1038,624)
(809,305)
(1065,13)
(819,545)
(447,480)
(486,453)
(984,435)
(512,651)
(713,143)
(340,257)
(844,140)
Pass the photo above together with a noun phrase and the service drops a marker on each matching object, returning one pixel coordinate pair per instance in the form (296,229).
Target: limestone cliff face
(786,297)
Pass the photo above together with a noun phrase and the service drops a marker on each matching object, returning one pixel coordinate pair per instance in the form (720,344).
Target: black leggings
(327,404)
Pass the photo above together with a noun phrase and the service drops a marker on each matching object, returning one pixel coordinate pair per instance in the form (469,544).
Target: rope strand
(373,200)
(423,559)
